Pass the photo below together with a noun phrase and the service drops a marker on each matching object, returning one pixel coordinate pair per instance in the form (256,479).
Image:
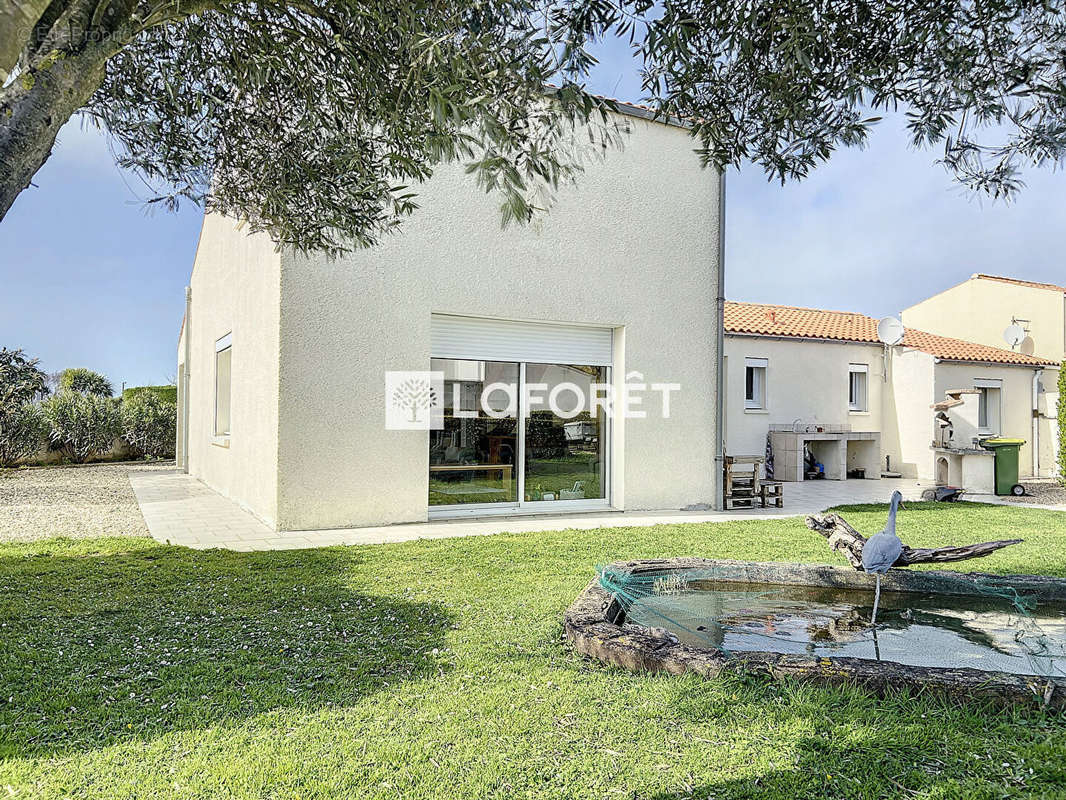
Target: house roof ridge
(1054,287)
(799,308)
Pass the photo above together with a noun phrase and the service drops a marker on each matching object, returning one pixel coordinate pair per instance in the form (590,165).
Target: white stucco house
(982,307)
(283,358)
(820,382)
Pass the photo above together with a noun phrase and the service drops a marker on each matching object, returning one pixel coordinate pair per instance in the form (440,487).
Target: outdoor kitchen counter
(831,449)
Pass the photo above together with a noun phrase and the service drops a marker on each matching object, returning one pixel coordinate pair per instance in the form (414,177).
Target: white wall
(633,246)
(805,379)
(808,380)
(235,290)
(1016,405)
(908,418)
(979,309)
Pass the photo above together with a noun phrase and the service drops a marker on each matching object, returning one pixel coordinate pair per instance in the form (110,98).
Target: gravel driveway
(1043,492)
(74,501)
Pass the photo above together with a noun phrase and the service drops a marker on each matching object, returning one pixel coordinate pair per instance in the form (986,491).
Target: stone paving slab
(181,510)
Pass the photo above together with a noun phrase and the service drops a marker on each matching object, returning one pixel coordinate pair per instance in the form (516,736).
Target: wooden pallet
(741,481)
(772,492)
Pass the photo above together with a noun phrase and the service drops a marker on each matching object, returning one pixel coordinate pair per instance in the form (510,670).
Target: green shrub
(82,425)
(168,393)
(85,381)
(150,424)
(1062,421)
(21,380)
(23,433)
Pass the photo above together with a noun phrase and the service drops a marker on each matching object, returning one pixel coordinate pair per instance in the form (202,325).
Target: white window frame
(759,367)
(521,505)
(983,385)
(221,345)
(488,339)
(862,405)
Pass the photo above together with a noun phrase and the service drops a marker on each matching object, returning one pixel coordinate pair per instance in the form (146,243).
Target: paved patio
(181,510)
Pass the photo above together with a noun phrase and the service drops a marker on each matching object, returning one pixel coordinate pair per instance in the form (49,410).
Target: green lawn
(436,670)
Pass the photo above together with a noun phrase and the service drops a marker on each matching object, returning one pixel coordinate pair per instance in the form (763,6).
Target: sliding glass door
(565,434)
(519,435)
(474,459)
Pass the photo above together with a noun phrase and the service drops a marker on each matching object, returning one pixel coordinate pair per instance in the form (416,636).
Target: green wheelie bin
(1006,468)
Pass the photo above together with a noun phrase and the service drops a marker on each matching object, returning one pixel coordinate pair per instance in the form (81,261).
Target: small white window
(755,382)
(223,364)
(990,401)
(857,384)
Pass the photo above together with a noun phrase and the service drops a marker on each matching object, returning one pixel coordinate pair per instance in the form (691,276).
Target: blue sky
(90,279)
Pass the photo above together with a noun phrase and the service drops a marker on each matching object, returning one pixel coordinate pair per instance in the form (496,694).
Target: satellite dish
(1014,335)
(890,331)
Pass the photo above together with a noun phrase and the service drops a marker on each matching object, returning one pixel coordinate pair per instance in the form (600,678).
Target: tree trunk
(17,20)
(849,542)
(32,110)
(62,63)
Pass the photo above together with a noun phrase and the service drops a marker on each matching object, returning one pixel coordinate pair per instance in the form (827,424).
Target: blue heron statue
(881,550)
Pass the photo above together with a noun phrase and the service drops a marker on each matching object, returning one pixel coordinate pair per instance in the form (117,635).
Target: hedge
(23,432)
(169,393)
(83,426)
(149,424)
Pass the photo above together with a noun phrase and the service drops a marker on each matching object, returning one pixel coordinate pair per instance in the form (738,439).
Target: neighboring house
(284,356)
(822,379)
(982,308)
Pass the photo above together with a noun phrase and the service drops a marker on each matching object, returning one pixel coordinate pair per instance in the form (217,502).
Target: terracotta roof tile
(958,350)
(812,323)
(1032,284)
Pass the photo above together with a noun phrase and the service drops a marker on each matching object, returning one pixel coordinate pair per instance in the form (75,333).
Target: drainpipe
(1036,422)
(185,382)
(719,313)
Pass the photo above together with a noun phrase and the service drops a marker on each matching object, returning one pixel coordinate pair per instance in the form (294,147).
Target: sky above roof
(90,279)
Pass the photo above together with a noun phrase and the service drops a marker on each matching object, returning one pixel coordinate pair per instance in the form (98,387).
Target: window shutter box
(480,339)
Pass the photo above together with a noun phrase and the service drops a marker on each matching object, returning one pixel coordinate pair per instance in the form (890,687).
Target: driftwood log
(849,542)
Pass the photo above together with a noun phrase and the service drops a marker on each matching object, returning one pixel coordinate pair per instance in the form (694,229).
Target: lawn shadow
(97,649)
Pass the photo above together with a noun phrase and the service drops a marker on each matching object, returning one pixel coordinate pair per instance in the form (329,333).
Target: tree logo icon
(416,396)
(413,400)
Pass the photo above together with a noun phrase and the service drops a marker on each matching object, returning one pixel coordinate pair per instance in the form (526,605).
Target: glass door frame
(523,506)
(502,507)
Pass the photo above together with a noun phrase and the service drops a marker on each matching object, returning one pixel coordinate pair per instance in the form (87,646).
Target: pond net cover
(662,594)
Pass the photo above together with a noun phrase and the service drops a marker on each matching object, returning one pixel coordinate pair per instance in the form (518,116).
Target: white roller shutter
(482,339)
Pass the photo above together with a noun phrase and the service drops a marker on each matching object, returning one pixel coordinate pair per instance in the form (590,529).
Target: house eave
(938,360)
(785,338)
